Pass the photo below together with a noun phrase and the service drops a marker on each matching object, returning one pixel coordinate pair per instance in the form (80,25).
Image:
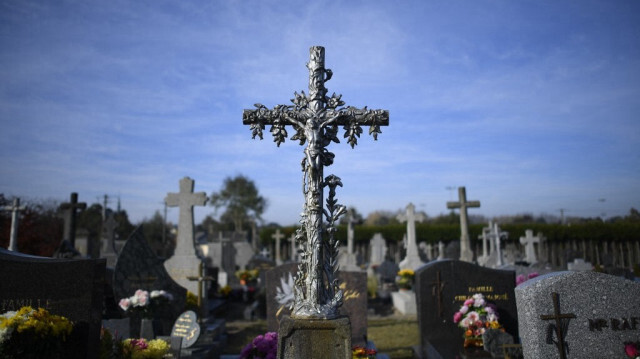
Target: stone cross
(412,260)
(69,210)
(278,236)
(561,325)
(265,252)
(315,119)
(529,250)
(186,199)
(377,250)
(483,260)
(15,208)
(466,254)
(440,250)
(496,237)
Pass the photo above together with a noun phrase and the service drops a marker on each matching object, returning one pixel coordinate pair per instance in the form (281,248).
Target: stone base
(405,302)
(180,267)
(314,338)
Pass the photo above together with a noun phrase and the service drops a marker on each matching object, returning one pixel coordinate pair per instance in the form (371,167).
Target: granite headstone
(442,287)
(71,288)
(578,314)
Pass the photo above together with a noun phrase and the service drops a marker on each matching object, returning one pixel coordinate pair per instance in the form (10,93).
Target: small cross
(465,246)
(528,241)
(264,252)
(278,236)
(436,291)
(70,217)
(15,208)
(201,279)
(185,200)
(559,325)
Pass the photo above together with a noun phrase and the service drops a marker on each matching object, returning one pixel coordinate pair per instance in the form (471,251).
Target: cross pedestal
(314,338)
(466,254)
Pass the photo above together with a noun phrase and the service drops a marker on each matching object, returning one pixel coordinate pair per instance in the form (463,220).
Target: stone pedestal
(405,302)
(314,338)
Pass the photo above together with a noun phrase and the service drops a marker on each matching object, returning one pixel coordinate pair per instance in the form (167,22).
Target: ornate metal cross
(315,118)
(560,327)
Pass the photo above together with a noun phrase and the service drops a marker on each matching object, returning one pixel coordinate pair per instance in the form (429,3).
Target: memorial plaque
(441,289)
(187,328)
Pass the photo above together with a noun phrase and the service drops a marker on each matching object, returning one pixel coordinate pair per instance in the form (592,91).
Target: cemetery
(80,280)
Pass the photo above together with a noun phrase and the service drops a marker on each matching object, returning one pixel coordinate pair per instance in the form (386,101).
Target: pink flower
(520,279)
(631,350)
(465,323)
(473,316)
(469,301)
(533,275)
(457,317)
(464,309)
(124,303)
(142,297)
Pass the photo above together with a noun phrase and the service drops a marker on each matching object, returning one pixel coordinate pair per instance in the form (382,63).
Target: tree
(241,200)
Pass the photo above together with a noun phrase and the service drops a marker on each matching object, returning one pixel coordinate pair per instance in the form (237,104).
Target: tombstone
(528,242)
(138,267)
(496,236)
(488,246)
(277,237)
(15,209)
(579,264)
(243,254)
(412,259)
(466,254)
(441,289)
(69,215)
(377,249)
(279,292)
(71,288)
(440,250)
(426,250)
(347,259)
(109,251)
(184,262)
(578,315)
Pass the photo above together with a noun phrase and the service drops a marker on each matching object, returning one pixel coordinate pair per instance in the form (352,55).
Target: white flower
(492,317)
(473,316)
(464,309)
(466,322)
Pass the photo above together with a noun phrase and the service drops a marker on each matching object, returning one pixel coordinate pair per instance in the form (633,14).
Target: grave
(466,254)
(441,289)
(579,264)
(528,242)
(348,260)
(109,251)
(279,292)
(277,237)
(184,262)
(412,260)
(71,288)
(15,209)
(377,250)
(69,214)
(138,267)
(578,315)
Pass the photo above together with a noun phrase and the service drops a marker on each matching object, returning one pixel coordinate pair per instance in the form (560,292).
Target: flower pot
(146,329)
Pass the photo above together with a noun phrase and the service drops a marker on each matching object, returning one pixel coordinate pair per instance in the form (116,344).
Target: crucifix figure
(15,208)
(560,327)
(69,209)
(466,254)
(315,118)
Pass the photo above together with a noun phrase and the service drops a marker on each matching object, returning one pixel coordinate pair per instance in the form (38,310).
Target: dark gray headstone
(494,339)
(442,287)
(279,291)
(388,270)
(187,328)
(597,313)
(139,268)
(71,288)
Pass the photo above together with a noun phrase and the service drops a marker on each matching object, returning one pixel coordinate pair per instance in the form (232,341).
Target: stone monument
(466,254)
(348,260)
(315,118)
(69,213)
(529,250)
(184,262)
(412,259)
(15,209)
(278,236)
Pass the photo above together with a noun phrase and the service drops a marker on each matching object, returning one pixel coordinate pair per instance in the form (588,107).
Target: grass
(392,336)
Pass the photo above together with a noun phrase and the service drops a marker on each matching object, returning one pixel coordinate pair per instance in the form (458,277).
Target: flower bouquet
(404,279)
(33,333)
(141,349)
(247,276)
(475,316)
(263,346)
(145,303)
(363,353)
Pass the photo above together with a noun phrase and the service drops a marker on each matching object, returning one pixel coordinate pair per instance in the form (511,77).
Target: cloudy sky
(532,105)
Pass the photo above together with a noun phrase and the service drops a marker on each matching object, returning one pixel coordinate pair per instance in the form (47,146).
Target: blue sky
(532,105)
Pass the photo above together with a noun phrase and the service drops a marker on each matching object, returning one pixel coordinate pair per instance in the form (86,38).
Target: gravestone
(528,242)
(187,328)
(412,260)
(138,267)
(441,289)
(466,254)
(69,214)
(15,209)
(184,262)
(109,251)
(378,250)
(71,288)
(279,292)
(579,264)
(243,253)
(578,315)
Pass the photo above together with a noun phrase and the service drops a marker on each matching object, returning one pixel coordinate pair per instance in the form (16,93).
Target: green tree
(162,244)
(241,200)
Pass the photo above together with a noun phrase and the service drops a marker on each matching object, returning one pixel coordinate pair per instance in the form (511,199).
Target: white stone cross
(482,260)
(466,254)
(412,260)
(529,250)
(496,237)
(186,200)
(440,250)
(378,250)
(294,248)
(265,252)
(278,236)
(15,208)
